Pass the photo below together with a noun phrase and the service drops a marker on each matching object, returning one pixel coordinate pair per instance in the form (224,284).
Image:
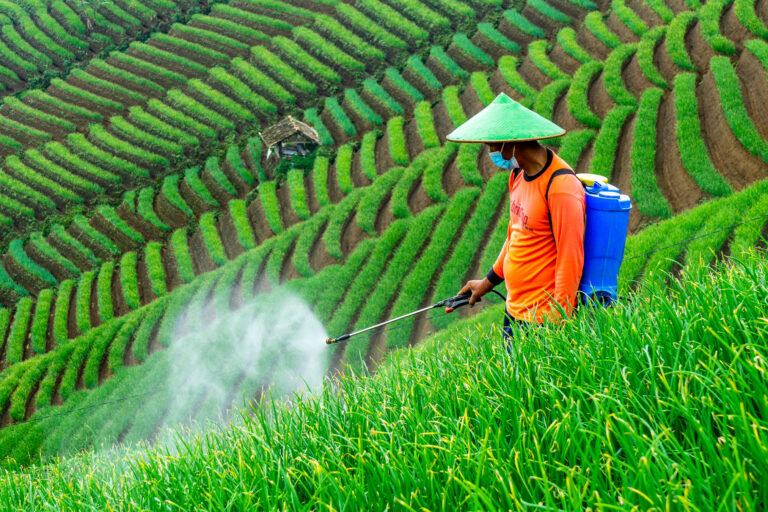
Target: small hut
(288,138)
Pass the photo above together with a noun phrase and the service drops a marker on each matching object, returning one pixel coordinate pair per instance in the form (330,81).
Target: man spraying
(542,258)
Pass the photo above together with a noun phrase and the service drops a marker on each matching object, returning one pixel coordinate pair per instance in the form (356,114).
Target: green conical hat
(505,120)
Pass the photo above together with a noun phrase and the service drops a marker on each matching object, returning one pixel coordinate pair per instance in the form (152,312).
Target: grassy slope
(660,402)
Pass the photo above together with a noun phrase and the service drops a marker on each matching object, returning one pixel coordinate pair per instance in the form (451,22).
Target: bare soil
(549,25)
(361,124)
(443,123)
(318,254)
(229,238)
(258,221)
(418,200)
(334,192)
(194,201)
(413,142)
(170,265)
(597,97)
(419,83)
(674,181)
(513,33)
(488,46)
(633,77)
(287,213)
(754,90)
(146,295)
(375,104)
(697,47)
(30,407)
(239,183)
(731,27)
(359,179)
(309,191)
(384,217)
(677,6)
(139,223)
(119,306)
(621,30)
(201,259)
(564,61)
(351,235)
(339,137)
(761,8)
(21,275)
(622,169)
(463,60)
(440,72)
(114,234)
(736,164)
(592,44)
(663,61)
(470,102)
(562,116)
(532,74)
(168,213)
(288,270)
(384,160)
(55,268)
(452,180)
(645,12)
(585,160)
(498,84)
(403,99)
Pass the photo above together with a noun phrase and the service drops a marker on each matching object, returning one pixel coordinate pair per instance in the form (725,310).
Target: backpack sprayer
(450,306)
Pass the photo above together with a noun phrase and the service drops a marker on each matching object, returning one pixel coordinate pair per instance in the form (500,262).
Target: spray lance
(450,306)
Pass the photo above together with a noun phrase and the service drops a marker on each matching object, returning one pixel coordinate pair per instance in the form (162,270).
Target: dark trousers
(508,332)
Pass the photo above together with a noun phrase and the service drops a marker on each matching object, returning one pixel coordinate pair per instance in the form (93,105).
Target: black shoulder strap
(559,172)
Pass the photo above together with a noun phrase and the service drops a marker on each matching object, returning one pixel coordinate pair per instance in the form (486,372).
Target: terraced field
(137,205)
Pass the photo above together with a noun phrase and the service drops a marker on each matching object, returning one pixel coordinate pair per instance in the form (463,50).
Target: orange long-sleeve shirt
(539,262)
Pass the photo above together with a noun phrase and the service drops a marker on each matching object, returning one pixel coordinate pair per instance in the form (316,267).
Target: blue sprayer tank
(605,235)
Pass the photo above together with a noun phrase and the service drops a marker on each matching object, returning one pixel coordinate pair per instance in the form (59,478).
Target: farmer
(541,260)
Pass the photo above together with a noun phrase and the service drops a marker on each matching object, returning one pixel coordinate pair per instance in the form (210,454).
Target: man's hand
(478,287)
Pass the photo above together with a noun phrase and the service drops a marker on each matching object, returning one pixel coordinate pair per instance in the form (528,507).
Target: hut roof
(285,128)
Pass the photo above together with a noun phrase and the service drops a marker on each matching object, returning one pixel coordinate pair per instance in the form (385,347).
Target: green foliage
(371,202)
(90,79)
(537,52)
(298,195)
(508,69)
(545,102)
(469,49)
(125,75)
(566,38)
(453,105)
(396,137)
(479,82)
(676,32)
(213,168)
(17,334)
(97,236)
(38,334)
(256,79)
(344,168)
(629,17)
(607,140)
(238,94)
(578,101)
(186,123)
(30,377)
(447,62)
(496,37)
(339,216)
(416,65)
(239,213)
(404,85)
(170,189)
(311,117)
(709,22)
(197,111)
(129,282)
(595,23)
(573,145)
(307,61)
(211,238)
(645,55)
(368,154)
(549,11)
(363,110)
(422,15)
(15,104)
(382,96)
(141,339)
(466,162)
(341,118)
(110,215)
(182,256)
(426,125)
(104,291)
(733,106)
(745,12)
(519,21)
(374,32)
(83,301)
(17,252)
(348,39)
(267,60)
(693,151)
(612,79)
(645,189)
(153,257)
(320,180)
(51,253)
(192,178)
(85,95)
(393,20)
(145,208)
(21,170)
(61,311)
(268,198)
(433,173)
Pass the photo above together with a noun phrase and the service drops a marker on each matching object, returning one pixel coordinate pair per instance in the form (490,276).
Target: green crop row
(415,285)
(693,151)
(125,75)
(27,381)
(393,20)
(537,52)
(34,157)
(83,301)
(307,61)
(629,17)
(709,22)
(422,15)
(175,117)
(305,241)
(311,117)
(192,179)
(382,96)
(343,168)
(573,145)
(19,328)
(747,16)
(268,198)
(16,105)
(130,134)
(549,11)
(676,47)
(374,32)
(453,105)
(182,256)
(422,114)
(578,101)
(17,252)
(399,202)
(447,62)
(497,38)
(264,59)
(612,79)
(298,194)
(733,106)
(362,109)
(153,257)
(371,202)
(566,38)
(417,66)
(341,118)
(198,111)
(349,40)
(645,55)
(159,128)
(219,176)
(239,212)
(145,208)
(92,233)
(466,162)
(129,281)
(396,137)
(226,107)
(404,85)
(51,253)
(212,239)
(432,179)
(111,216)
(608,139)
(368,154)
(645,189)
(522,23)
(595,23)
(239,93)
(112,87)
(508,69)
(338,219)
(104,291)
(320,180)
(545,101)
(38,333)
(469,49)
(482,88)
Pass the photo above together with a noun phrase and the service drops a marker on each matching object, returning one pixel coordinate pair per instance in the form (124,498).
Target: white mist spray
(275,344)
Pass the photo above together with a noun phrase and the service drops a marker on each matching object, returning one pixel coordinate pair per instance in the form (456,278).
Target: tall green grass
(659,403)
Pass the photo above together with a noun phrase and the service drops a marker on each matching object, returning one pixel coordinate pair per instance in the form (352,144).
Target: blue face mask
(502,162)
